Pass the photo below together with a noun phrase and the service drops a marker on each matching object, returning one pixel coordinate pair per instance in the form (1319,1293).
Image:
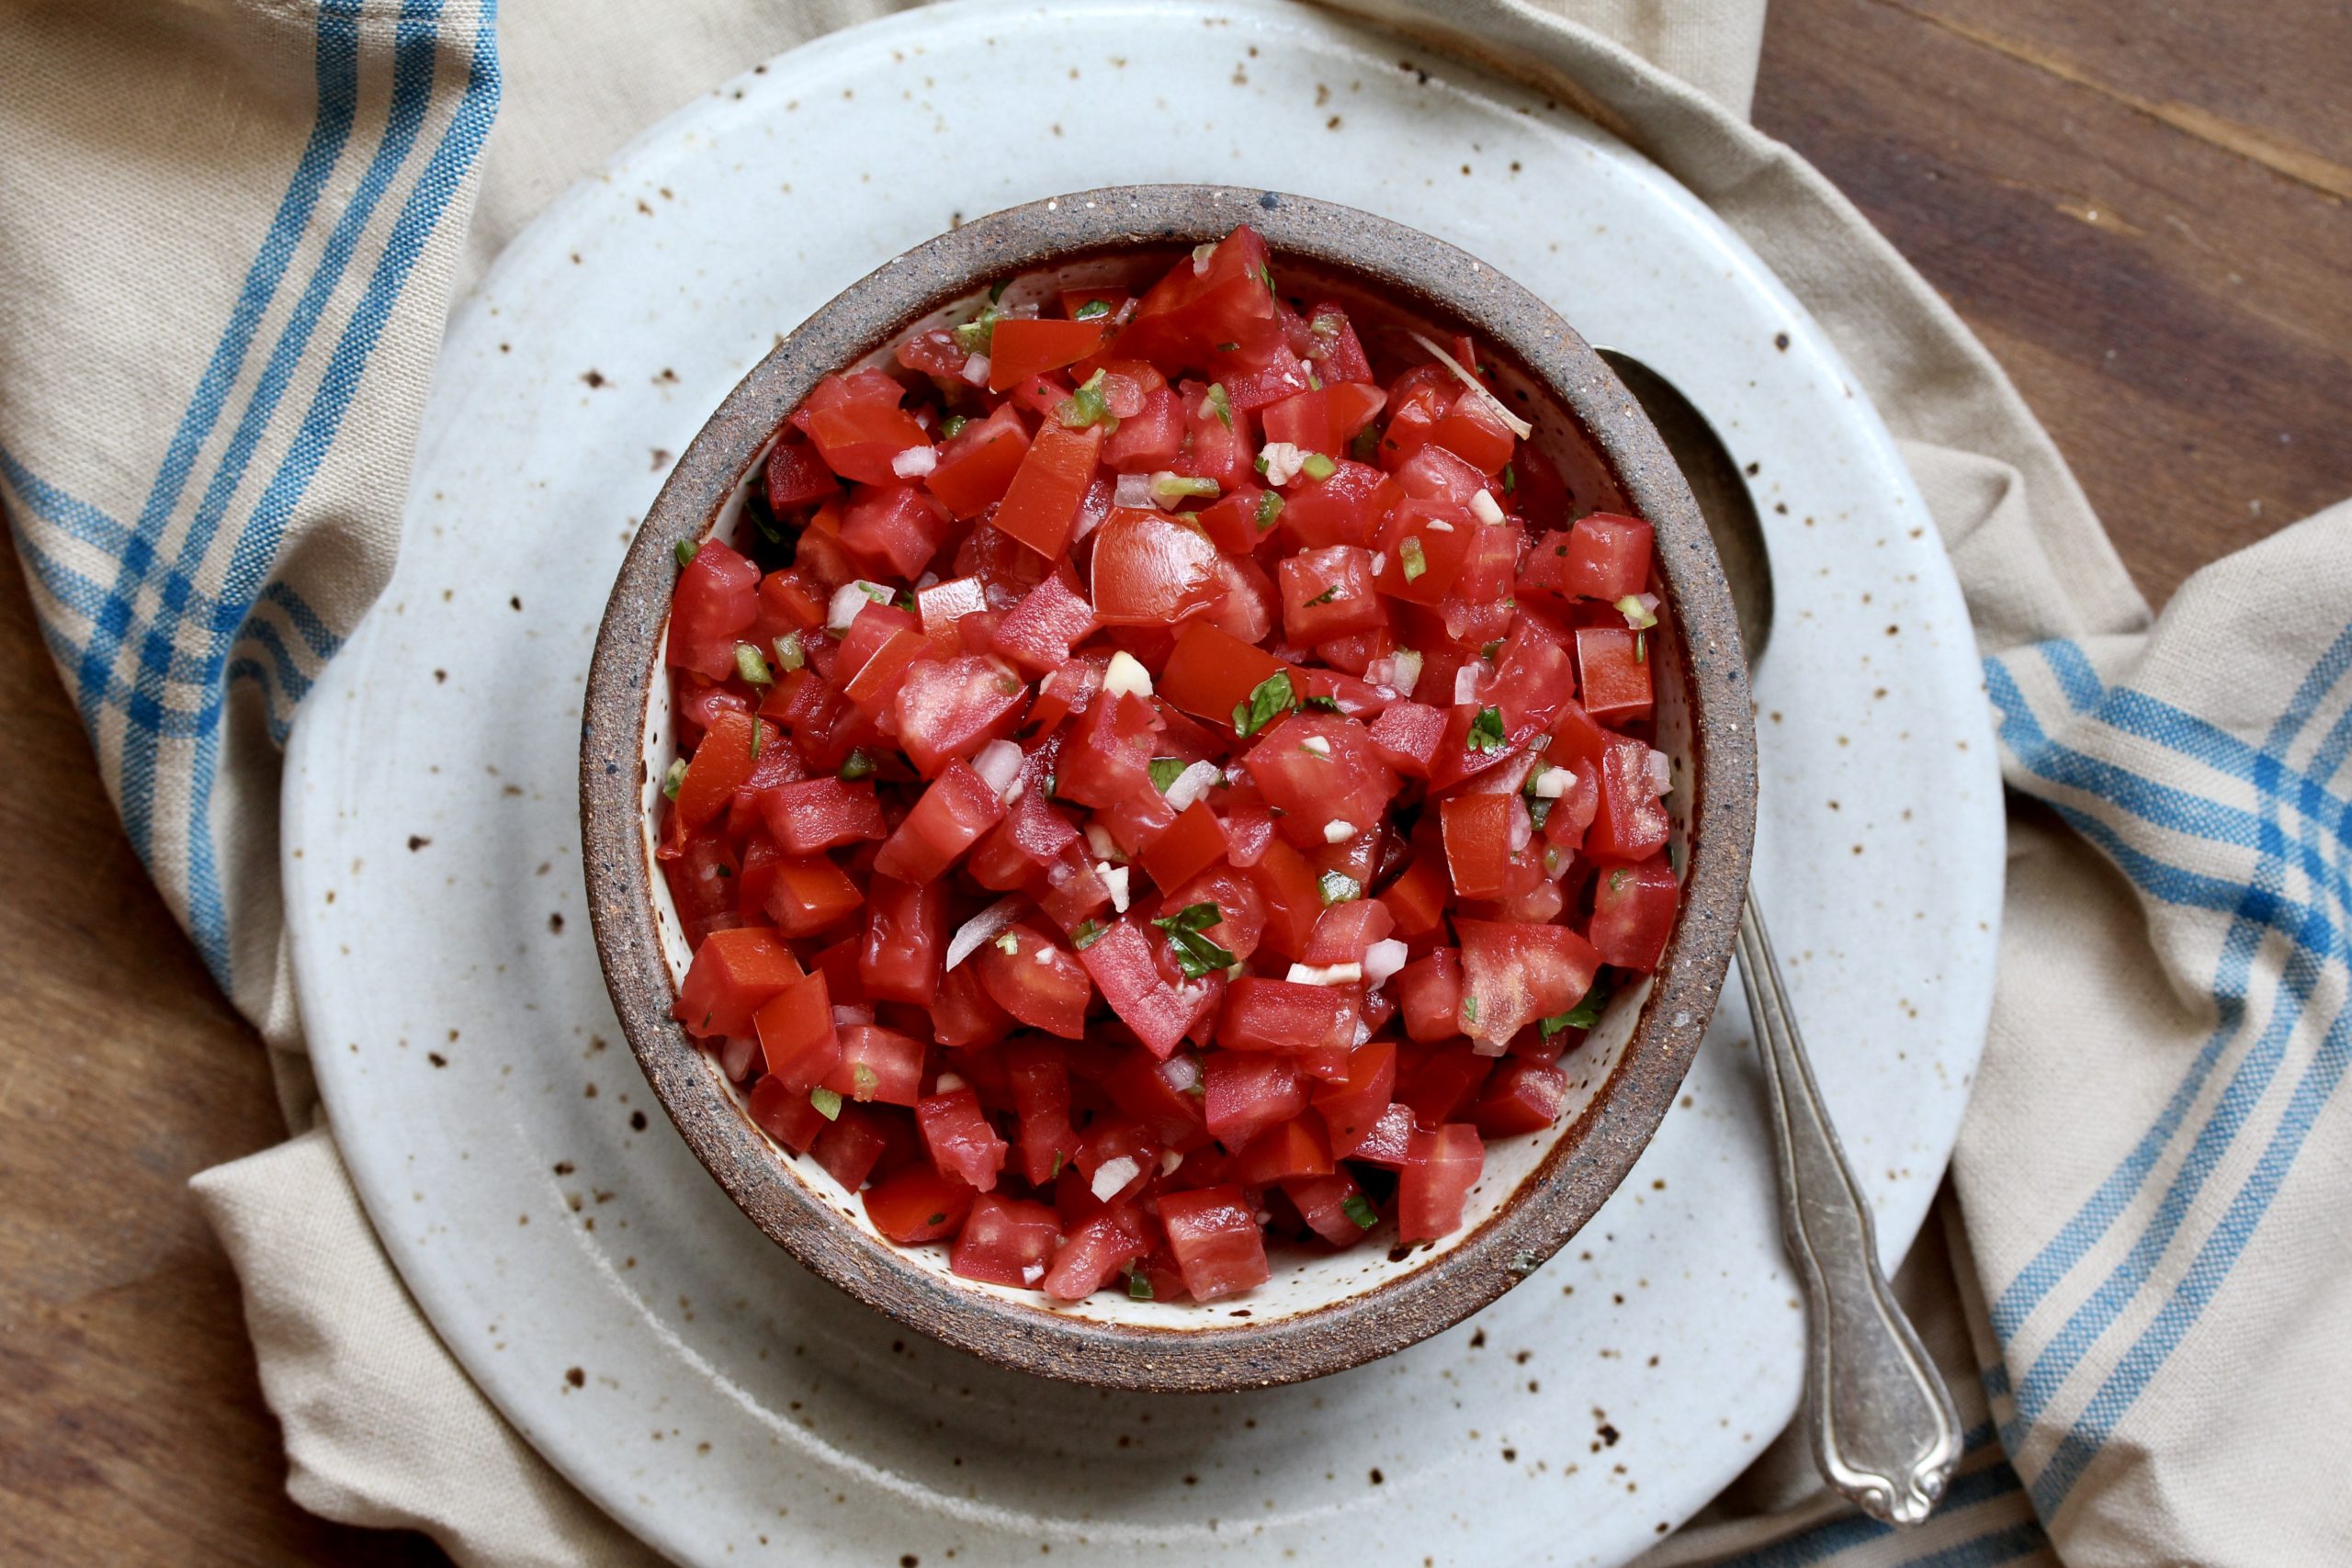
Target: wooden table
(2140,206)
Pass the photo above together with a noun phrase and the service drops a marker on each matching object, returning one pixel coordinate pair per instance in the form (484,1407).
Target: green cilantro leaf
(1165,771)
(1486,730)
(1269,700)
(1359,1209)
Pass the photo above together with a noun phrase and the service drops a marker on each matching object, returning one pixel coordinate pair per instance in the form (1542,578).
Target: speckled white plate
(669,1358)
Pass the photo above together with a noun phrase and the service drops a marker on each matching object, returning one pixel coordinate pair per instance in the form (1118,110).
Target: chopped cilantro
(951,426)
(996,290)
(1218,403)
(1087,933)
(1268,701)
(1359,1209)
(1469,1009)
(1330,705)
(856,765)
(1365,443)
(1510,480)
(1326,596)
(1197,955)
(1486,730)
(1093,310)
(1584,1015)
(685,552)
(675,778)
(1165,771)
(1138,1287)
(1269,506)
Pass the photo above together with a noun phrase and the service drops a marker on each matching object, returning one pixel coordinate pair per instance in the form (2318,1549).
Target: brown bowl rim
(1587,1160)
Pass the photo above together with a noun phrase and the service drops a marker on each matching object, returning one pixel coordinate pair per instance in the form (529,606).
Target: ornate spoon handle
(1884,1431)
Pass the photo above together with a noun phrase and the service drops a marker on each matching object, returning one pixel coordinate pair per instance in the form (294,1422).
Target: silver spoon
(1885,1432)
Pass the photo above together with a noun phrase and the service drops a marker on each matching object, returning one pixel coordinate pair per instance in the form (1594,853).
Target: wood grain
(2139,207)
(2142,207)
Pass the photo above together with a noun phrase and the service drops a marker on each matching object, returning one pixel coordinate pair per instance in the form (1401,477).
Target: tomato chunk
(1216,1238)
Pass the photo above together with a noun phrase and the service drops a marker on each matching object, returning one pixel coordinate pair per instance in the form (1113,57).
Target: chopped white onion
(999,765)
(1480,1046)
(1112,1177)
(1045,953)
(849,599)
(976,370)
(1379,562)
(1467,682)
(1114,877)
(1438,525)
(1523,826)
(1382,959)
(1553,782)
(997,918)
(1337,831)
(915,462)
(1405,667)
(1282,461)
(1326,974)
(1169,1161)
(1194,782)
(1486,508)
(1031,1273)
(1661,769)
(1518,426)
(948,1084)
(848,1015)
(1315,744)
(1134,489)
(1099,839)
(1126,677)
(1181,1073)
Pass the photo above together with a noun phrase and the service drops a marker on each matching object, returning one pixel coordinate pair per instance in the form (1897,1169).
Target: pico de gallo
(1164,773)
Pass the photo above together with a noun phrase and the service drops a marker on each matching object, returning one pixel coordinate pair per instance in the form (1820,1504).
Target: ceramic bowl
(1319,1314)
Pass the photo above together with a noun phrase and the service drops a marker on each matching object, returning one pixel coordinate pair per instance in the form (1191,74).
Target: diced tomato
(963,1014)
(1319,769)
(1038,633)
(853,1145)
(1248,1092)
(1022,347)
(797,476)
(1189,316)
(1287,1016)
(1522,1097)
(1326,420)
(1186,848)
(948,711)
(976,466)
(733,972)
(1041,501)
(720,766)
(1609,557)
(1150,569)
(1514,972)
(960,1140)
(906,938)
(799,1044)
(918,1203)
(1036,980)
(1632,913)
(1348,508)
(1006,1241)
(1352,1106)
(1119,960)
(893,527)
(1345,931)
(1333,1206)
(1093,1253)
(784,1114)
(807,893)
(814,815)
(878,1064)
(1613,673)
(1332,346)
(1630,822)
(946,820)
(1210,672)
(1477,842)
(1298,1147)
(715,603)
(1327,593)
(858,437)
(1216,1238)
(1441,1166)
